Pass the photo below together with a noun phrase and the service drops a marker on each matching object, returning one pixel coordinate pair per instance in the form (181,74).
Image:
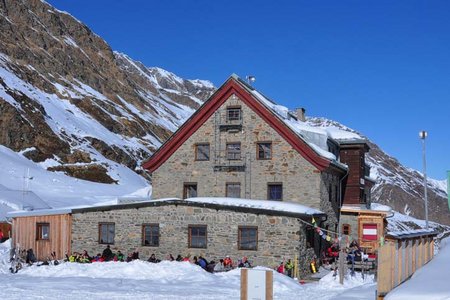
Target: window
(336,196)
(346,229)
(248,238)
(233,114)
(190,190)
(233,151)
(264,150)
(106,233)
(329,193)
(197,236)
(233,190)
(275,191)
(150,235)
(202,152)
(42,231)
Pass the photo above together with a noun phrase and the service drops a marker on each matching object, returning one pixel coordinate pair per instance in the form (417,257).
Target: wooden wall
(24,235)
(399,259)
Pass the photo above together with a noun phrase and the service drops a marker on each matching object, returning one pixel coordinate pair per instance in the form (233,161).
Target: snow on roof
(283,206)
(315,137)
(11,200)
(412,233)
(272,206)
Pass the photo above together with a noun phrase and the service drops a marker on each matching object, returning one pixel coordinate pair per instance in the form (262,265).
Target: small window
(150,235)
(233,190)
(233,114)
(197,236)
(336,196)
(248,238)
(106,233)
(190,190)
(346,229)
(275,191)
(330,195)
(42,231)
(264,150)
(233,151)
(202,152)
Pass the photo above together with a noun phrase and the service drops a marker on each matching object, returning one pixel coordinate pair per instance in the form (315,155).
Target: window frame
(39,231)
(193,226)
(349,229)
(100,241)
(151,225)
(234,152)
(258,151)
(185,191)
(196,152)
(230,112)
(240,228)
(273,184)
(227,184)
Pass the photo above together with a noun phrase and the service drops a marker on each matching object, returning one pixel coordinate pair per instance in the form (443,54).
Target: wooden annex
(370,227)
(43,233)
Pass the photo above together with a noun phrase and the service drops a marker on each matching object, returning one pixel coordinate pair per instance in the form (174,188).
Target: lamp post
(423,134)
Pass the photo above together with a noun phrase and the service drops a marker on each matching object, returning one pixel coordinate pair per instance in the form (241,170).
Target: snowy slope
(59,190)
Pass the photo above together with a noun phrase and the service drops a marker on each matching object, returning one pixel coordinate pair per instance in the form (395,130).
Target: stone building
(241,144)
(212,227)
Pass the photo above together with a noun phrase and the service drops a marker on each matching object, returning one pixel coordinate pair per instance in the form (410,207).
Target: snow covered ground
(181,280)
(165,280)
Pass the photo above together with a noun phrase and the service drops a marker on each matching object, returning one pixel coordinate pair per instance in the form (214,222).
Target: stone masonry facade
(279,237)
(301,181)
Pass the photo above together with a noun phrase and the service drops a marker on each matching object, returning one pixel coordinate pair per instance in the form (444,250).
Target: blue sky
(379,67)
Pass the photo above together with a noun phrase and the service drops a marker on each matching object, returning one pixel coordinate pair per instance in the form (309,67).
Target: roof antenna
(250,79)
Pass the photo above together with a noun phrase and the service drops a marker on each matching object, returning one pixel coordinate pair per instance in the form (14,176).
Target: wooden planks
(60,235)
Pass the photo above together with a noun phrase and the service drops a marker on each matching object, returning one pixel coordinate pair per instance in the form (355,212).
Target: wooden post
(342,259)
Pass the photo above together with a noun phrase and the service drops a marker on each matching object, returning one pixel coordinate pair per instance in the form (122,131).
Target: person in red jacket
(227,263)
(280,268)
(1,236)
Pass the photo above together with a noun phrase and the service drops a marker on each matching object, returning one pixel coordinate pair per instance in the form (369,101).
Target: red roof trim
(196,121)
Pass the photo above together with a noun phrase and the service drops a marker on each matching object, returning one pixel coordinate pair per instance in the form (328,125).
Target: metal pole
(424,135)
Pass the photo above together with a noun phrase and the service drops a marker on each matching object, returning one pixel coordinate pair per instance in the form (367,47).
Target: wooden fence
(398,259)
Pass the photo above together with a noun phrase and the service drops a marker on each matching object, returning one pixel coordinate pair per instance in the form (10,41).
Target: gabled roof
(260,104)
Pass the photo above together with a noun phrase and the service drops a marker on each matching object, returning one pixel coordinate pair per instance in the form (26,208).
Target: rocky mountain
(68,100)
(398,186)
(72,104)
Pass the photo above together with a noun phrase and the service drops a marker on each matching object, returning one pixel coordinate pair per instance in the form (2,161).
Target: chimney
(301,114)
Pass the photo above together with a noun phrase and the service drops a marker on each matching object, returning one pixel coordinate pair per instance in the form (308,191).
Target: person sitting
(31,258)
(227,263)
(120,256)
(97,258)
(170,257)
(153,259)
(219,267)
(202,262)
(210,266)
(107,254)
(354,252)
(244,263)
(187,258)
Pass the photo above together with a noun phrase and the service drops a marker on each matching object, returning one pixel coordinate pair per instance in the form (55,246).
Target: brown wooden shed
(44,231)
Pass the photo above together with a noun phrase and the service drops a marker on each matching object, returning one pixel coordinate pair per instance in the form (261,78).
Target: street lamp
(423,134)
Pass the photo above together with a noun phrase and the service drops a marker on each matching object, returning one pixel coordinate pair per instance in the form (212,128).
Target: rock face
(53,65)
(398,186)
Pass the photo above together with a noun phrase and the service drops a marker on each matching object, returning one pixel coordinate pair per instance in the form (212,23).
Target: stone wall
(352,220)
(300,179)
(279,237)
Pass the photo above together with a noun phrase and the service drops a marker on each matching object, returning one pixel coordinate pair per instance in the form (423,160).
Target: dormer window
(234,113)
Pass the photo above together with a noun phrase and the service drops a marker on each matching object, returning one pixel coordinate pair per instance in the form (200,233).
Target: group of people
(106,255)
(224,264)
(286,268)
